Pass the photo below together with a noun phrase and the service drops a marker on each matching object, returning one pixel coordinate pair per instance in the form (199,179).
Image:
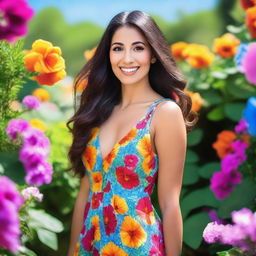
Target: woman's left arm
(170,141)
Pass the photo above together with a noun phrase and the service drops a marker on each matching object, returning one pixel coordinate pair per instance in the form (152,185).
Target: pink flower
(14,18)
(249,63)
(131,160)
(29,192)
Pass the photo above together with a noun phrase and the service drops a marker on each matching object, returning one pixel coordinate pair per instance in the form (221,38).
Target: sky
(101,11)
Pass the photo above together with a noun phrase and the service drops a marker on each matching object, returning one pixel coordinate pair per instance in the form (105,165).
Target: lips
(129,71)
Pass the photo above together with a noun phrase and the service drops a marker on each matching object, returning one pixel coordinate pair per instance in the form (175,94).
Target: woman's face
(130,56)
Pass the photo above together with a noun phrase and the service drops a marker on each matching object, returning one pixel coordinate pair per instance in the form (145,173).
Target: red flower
(142,124)
(96,200)
(131,160)
(107,188)
(151,182)
(157,248)
(110,221)
(87,240)
(127,178)
(95,252)
(86,210)
(248,3)
(145,210)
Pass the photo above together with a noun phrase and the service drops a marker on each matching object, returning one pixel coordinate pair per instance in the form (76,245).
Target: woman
(128,132)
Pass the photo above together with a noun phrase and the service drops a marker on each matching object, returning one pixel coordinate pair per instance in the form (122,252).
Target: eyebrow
(137,42)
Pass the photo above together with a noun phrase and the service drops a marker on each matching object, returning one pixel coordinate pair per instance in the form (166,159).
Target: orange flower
(177,50)
(251,21)
(226,45)
(76,252)
(45,59)
(107,161)
(88,54)
(198,56)
(89,157)
(131,134)
(110,249)
(149,164)
(41,94)
(82,85)
(223,143)
(96,224)
(132,234)
(197,101)
(96,181)
(119,204)
(36,123)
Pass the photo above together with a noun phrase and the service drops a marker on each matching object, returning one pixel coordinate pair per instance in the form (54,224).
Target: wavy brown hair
(103,90)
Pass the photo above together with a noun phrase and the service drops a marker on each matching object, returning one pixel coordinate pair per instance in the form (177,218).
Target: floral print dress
(119,218)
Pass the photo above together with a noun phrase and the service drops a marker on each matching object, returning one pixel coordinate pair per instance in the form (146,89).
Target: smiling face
(130,56)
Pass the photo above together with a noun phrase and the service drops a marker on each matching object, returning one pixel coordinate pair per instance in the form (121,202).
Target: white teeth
(129,70)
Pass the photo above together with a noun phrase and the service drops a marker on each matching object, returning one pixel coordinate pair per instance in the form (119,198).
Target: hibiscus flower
(131,160)
(127,178)
(96,200)
(144,209)
(110,220)
(119,204)
(111,249)
(87,240)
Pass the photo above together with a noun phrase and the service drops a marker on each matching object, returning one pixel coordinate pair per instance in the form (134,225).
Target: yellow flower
(89,157)
(177,50)
(226,45)
(41,94)
(119,204)
(88,54)
(96,181)
(111,249)
(38,124)
(96,224)
(132,234)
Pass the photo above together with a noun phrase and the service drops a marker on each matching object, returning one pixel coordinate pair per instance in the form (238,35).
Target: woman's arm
(170,141)
(78,214)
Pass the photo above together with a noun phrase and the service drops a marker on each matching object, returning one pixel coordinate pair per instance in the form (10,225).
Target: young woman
(129,132)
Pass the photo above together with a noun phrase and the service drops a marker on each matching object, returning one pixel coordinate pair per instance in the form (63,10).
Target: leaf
(231,252)
(191,156)
(219,75)
(242,195)
(194,227)
(41,219)
(195,137)
(198,198)
(233,29)
(48,238)
(208,169)
(216,114)
(190,174)
(234,111)
(211,97)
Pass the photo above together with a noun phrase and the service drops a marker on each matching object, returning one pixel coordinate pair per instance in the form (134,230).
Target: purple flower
(212,232)
(36,138)
(32,192)
(14,18)
(42,174)
(10,201)
(241,127)
(31,102)
(214,217)
(230,163)
(248,64)
(222,183)
(16,126)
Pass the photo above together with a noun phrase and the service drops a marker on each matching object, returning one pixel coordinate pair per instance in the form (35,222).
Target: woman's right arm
(78,214)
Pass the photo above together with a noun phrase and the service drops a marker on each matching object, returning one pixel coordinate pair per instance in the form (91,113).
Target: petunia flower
(31,102)
(32,192)
(16,127)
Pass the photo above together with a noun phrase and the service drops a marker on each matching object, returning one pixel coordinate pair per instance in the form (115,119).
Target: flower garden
(37,193)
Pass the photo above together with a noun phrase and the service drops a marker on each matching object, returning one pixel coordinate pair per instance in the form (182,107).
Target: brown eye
(115,49)
(139,48)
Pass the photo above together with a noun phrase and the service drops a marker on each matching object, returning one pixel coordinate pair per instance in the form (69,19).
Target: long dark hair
(103,90)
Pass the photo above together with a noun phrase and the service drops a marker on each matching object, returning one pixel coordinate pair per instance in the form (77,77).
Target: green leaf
(231,252)
(198,198)
(242,195)
(194,227)
(41,219)
(233,29)
(234,111)
(211,97)
(25,251)
(195,137)
(48,238)
(190,174)
(216,114)
(219,75)
(208,169)
(191,156)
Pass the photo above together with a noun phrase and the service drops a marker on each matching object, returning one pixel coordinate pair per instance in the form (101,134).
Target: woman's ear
(153,60)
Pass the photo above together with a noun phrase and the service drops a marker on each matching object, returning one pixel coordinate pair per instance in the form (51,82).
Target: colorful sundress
(119,218)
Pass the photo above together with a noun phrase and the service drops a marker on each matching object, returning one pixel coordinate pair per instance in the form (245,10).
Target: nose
(127,58)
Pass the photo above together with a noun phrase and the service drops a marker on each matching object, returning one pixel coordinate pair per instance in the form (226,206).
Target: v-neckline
(134,126)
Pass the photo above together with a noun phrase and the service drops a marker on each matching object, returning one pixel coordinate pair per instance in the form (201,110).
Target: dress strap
(153,107)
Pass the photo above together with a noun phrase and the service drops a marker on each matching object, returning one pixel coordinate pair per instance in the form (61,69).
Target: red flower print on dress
(96,200)
(142,124)
(144,209)
(127,178)
(109,218)
(157,248)
(131,160)
(95,252)
(86,210)
(87,240)
(151,182)
(107,188)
